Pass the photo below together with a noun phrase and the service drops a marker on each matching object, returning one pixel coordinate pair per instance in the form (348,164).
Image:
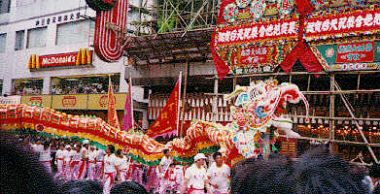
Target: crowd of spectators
(84,86)
(24,89)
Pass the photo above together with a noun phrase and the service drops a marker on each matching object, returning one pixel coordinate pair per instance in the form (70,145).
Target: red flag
(112,114)
(167,122)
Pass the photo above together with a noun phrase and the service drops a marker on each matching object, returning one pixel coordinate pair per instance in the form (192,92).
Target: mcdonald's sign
(83,57)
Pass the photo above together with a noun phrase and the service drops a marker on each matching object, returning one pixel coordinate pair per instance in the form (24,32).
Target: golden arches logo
(84,57)
(34,61)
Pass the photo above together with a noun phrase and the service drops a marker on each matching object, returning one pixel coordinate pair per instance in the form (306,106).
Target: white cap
(93,147)
(199,156)
(86,142)
(68,146)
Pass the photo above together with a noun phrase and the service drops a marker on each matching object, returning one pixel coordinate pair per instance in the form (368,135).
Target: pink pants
(47,165)
(99,167)
(74,170)
(91,171)
(218,192)
(123,175)
(82,169)
(195,191)
(109,179)
(60,168)
(67,170)
(153,180)
(137,175)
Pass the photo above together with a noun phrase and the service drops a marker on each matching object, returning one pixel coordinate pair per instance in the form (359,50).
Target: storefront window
(84,85)
(3,42)
(27,86)
(37,37)
(74,32)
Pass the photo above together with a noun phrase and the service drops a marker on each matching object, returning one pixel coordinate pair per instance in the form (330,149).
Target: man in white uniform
(111,169)
(59,159)
(45,157)
(196,177)
(91,163)
(67,160)
(37,147)
(219,175)
(99,167)
(162,168)
(83,163)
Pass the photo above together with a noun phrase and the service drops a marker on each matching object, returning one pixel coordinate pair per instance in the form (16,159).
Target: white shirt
(75,156)
(37,148)
(67,155)
(45,155)
(196,177)
(219,176)
(109,163)
(124,163)
(100,155)
(60,154)
(165,163)
(84,152)
(91,155)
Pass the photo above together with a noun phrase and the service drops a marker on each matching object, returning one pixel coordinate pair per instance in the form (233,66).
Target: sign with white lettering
(10,100)
(358,21)
(82,57)
(355,52)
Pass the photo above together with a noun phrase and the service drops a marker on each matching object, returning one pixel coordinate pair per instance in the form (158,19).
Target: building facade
(46,56)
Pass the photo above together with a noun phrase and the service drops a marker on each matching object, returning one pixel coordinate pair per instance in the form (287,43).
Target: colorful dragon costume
(256,108)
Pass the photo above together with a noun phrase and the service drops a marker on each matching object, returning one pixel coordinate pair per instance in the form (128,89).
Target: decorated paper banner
(258,31)
(328,52)
(355,66)
(238,30)
(363,21)
(377,51)
(355,52)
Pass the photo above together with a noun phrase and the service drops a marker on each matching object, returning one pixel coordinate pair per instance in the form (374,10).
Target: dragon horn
(234,93)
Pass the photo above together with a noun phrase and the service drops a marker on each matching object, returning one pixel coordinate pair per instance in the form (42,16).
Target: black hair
(216,154)
(81,187)
(260,176)
(166,151)
(111,148)
(128,187)
(118,152)
(318,171)
(46,144)
(20,170)
(374,171)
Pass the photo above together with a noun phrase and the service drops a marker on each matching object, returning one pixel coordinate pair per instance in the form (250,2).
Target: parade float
(256,108)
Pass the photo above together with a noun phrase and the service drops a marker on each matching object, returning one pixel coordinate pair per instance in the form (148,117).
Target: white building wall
(24,15)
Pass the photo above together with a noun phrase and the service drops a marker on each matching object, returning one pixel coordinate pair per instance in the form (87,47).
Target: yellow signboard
(78,101)
(75,101)
(100,101)
(40,100)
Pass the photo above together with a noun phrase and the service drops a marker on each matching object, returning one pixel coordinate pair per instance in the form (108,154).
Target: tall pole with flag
(112,114)
(165,124)
(128,109)
(179,102)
